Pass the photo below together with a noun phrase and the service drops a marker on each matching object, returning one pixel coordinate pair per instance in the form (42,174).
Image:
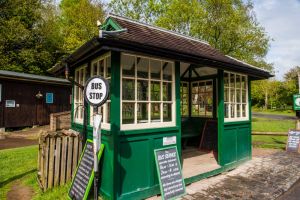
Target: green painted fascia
(115,114)
(109,22)
(237,123)
(220,114)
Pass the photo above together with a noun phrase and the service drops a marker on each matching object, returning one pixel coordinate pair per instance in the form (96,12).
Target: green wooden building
(164,88)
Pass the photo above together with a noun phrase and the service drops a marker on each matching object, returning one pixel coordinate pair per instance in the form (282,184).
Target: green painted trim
(222,169)
(158,174)
(215,101)
(111,23)
(201,78)
(93,173)
(149,130)
(220,115)
(178,107)
(237,123)
(115,114)
(250,114)
(79,127)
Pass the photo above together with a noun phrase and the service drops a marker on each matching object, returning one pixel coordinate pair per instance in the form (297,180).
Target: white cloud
(281,20)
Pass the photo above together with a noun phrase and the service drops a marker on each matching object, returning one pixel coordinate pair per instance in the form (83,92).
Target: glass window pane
(226,80)
(232,108)
(155,112)
(226,95)
(244,99)
(127,113)
(185,110)
(195,98)
(238,81)
(108,67)
(232,95)
(167,91)
(101,67)
(128,65)
(232,80)
(167,112)
(226,110)
(244,82)
(128,91)
(209,105)
(142,90)
(167,71)
(209,86)
(195,110)
(142,113)
(244,110)
(238,95)
(155,69)
(142,67)
(155,91)
(238,110)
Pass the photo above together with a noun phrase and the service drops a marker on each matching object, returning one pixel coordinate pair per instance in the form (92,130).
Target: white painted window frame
(230,102)
(198,83)
(105,124)
(78,103)
(149,124)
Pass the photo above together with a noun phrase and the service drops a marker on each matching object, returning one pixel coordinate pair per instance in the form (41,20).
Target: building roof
(145,38)
(32,77)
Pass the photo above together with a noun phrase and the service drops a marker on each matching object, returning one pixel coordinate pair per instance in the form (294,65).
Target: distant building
(27,99)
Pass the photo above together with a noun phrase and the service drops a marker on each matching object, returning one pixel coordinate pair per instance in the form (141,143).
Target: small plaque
(10,103)
(169,140)
(49,98)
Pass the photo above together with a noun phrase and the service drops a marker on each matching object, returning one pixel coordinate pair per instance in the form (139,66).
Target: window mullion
(135,92)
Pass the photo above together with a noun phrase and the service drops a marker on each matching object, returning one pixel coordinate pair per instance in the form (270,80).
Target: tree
(24,46)
(228,25)
(78,22)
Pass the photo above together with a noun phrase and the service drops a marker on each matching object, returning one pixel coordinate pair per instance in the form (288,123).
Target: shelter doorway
(199,127)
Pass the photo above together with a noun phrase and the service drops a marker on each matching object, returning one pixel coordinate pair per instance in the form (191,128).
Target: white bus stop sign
(96,91)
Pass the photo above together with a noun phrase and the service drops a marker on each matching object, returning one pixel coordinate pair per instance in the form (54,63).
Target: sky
(281,20)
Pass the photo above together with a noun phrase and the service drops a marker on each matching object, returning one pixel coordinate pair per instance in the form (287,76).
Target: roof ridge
(158,28)
(14,73)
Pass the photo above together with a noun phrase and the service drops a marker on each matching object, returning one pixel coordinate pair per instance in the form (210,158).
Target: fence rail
(58,156)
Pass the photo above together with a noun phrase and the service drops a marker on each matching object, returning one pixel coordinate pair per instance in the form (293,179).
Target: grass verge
(267,141)
(20,164)
(274,112)
(272,125)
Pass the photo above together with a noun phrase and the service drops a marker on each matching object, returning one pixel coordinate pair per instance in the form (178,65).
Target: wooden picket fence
(59,153)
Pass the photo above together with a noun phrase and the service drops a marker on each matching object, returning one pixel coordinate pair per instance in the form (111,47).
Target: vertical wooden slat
(69,159)
(51,162)
(57,161)
(80,147)
(75,155)
(63,160)
(46,164)
(42,160)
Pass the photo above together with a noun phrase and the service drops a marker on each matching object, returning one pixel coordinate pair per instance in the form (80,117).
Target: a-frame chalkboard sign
(170,177)
(84,176)
(293,141)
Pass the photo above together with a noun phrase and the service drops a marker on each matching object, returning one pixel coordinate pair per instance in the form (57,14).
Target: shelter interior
(198,93)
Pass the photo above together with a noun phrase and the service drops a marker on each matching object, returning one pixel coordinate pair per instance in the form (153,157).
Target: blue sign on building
(49,98)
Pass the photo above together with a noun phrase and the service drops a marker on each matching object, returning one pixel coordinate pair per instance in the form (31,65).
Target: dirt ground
(19,191)
(25,137)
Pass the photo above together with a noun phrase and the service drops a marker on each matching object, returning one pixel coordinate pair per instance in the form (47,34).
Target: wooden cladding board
(58,158)
(84,174)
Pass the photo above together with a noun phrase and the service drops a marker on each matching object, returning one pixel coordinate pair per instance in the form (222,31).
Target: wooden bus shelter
(167,89)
